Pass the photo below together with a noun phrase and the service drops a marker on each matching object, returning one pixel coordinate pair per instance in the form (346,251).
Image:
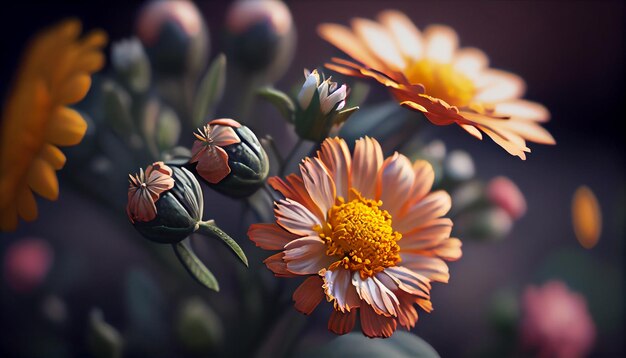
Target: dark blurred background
(571,55)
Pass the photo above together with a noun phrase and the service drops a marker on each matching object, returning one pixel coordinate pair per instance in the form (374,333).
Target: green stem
(289,157)
(208,228)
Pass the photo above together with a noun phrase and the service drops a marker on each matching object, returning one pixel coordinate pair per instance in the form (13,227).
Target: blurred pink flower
(244,14)
(26,264)
(182,13)
(556,321)
(507,195)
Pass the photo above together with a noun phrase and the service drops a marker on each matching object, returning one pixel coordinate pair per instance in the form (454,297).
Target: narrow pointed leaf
(280,100)
(210,91)
(344,115)
(194,266)
(209,229)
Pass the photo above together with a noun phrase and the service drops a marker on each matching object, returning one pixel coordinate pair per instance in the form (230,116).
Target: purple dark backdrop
(570,54)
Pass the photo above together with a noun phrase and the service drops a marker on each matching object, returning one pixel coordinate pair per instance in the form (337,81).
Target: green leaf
(116,107)
(210,91)
(358,93)
(167,129)
(198,327)
(280,100)
(343,116)
(194,266)
(103,340)
(210,229)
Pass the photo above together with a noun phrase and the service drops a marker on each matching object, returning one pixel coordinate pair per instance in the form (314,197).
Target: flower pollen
(442,80)
(361,234)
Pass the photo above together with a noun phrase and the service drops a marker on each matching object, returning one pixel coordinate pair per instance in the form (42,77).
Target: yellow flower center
(360,233)
(442,81)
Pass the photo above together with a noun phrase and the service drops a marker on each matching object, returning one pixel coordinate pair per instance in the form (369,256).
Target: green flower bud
(320,107)
(229,158)
(165,203)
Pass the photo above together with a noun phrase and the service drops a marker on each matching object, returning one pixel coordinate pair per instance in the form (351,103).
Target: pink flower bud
(556,321)
(503,192)
(26,264)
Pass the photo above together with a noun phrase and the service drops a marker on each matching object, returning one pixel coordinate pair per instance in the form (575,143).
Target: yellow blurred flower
(586,217)
(427,72)
(54,73)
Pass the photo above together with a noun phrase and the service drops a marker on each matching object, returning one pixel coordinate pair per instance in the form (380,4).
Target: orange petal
(293,188)
(374,325)
(318,183)
(433,206)
(8,217)
(345,40)
(42,178)
(295,218)
(278,266)
(423,181)
(306,255)
(432,268)
(472,130)
(586,217)
(335,155)
(225,122)
(368,158)
(406,36)
(440,43)
(339,289)
(449,249)
(427,236)
(470,61)
(407,314)
(342,323)
(497,85)
(409,281)
(270,236)
(26,204)
(52,155)
(66,127)
(223,135)
(74,89)
(308,295)
(376,294)
(523,109)
(213,164)
(380,43)
(394,183)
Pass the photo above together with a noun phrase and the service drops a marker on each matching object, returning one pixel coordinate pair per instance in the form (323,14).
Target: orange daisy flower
(55,72)
(427,72)
(365,231)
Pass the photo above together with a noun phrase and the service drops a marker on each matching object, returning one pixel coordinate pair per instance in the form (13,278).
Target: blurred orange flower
(366,231)
(54,73)
(586,217)
(427,72)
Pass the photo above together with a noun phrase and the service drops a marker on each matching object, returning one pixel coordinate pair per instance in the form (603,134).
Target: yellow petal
(42,179)
(74,89)
(90,62)
(26,204)
(52,155)
(95,38)
(66,127)
(586,217)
